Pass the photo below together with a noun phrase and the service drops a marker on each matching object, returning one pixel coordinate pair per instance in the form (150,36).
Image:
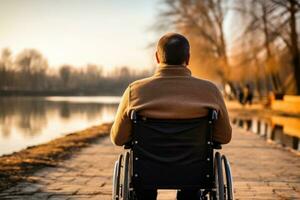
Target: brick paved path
(261,171)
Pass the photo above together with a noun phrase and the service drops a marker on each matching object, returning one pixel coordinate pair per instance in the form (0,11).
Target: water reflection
(280,129)
(26,121)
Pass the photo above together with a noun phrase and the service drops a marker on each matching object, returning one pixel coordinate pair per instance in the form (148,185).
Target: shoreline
(19,165)
(71,92)
(257,109)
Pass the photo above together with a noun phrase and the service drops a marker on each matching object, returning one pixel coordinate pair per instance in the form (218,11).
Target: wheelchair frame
(222,185)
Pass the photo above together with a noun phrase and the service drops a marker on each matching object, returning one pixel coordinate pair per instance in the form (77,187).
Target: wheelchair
(172,154)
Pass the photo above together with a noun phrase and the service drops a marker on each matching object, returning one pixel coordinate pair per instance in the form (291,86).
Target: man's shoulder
(140,82)
(147,80)
(205,83)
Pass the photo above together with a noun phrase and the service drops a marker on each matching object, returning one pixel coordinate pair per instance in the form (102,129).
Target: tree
(275,20)
(29,72)
(290,8)
(32,67)
(65,73)
(93,74)
(203,22)
(5,64)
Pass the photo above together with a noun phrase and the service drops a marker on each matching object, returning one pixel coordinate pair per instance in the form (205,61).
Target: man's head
(173,49)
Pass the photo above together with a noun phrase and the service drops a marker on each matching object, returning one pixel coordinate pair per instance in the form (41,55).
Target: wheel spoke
(228,175)
(117,179)
(219,177)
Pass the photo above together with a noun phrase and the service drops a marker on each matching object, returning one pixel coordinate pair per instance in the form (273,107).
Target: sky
(105,32)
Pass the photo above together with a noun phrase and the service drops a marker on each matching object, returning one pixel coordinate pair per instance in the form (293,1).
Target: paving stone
(41,195)
(59,197)
(260,171)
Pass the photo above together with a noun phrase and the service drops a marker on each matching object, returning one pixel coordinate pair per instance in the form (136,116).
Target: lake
(283,130)
(27,121)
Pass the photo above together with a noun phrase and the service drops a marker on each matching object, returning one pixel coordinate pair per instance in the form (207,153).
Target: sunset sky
(105,32)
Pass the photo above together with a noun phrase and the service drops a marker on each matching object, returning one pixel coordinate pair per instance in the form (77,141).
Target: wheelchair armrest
(128,145)
(217,145)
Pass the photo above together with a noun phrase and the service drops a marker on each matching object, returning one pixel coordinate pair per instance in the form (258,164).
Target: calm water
(282,130)
(27,121)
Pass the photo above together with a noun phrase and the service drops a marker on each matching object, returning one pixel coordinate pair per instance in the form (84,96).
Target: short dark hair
(173,49)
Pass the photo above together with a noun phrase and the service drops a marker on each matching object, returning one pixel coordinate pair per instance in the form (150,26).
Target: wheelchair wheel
(126,177)
(228,175)
(116,179)
(219,181)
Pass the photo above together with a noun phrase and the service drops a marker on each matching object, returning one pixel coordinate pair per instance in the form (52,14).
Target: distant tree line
(28,73)
(263,47)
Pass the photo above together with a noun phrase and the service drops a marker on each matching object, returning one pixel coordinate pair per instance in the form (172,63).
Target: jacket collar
(172,70)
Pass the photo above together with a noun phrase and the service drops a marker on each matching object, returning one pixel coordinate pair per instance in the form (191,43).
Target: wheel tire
(126,177)
(212,195)
(116,179)
(229,182)
(218,172)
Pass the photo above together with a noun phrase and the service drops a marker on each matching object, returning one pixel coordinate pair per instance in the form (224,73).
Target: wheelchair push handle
(216,145)
(128,145)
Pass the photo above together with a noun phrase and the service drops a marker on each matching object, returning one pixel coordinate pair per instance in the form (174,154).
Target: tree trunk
(294,45)
(276,82)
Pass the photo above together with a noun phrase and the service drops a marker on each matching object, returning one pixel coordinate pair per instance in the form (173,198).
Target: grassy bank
(17,166)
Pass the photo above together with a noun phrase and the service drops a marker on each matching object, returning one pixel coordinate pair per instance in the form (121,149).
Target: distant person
(248,95)
(171,93)
(228,91)
(240,95)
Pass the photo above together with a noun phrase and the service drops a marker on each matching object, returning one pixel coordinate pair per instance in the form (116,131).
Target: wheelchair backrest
(172,153)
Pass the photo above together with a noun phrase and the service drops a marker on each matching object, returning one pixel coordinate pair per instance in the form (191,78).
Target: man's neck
(171,65)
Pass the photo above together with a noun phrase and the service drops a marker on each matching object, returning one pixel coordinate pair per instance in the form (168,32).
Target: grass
(19,165)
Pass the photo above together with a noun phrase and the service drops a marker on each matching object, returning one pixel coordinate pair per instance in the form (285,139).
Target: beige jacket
(171,93)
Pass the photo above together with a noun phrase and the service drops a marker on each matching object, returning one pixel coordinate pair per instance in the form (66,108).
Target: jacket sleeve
(222,129)
(121,128)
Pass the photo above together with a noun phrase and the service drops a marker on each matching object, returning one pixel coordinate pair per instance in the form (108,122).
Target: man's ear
(188,60)
(157,58)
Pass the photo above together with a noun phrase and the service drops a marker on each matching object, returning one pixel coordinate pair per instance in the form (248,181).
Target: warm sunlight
(108,33)
(149,99)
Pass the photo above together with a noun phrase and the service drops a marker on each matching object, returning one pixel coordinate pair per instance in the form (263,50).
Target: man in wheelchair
(171,122)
